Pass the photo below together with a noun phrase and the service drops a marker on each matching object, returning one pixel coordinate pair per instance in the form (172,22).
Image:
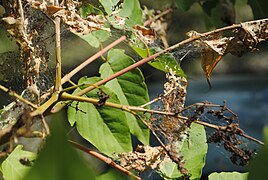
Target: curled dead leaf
(244,38)
(209,59)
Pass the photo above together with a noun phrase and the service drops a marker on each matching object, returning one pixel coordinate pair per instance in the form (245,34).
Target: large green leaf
(184,4)
(127,15)
(17,164)
(259,8)
(228,176)
(132,12)
(194,153)
(95,38)
(105,127)
(129,87)
(58,160)
(257,167)
(109,5)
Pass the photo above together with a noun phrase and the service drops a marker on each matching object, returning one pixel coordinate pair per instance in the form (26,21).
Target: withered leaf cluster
(70,16)
(243,38)
(143,158)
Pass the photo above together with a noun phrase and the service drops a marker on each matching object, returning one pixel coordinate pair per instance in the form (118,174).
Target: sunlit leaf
(124,14)
(130,89)
(96,37)
(105,127)
(17,164)
(58,160)
(109,5)
(132,12)
(167,62)
(228,176)
(162,63)
(194,151)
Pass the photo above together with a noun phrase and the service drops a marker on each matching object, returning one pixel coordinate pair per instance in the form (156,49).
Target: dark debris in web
(224,124)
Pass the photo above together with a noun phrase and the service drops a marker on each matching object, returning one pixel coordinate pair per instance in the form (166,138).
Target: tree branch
(104,159)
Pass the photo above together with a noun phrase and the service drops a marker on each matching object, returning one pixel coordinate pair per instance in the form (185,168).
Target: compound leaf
(129,87)
(105,127)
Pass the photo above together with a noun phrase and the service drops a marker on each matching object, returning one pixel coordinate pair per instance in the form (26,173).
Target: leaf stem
(14,94)
(130,109)
(58,52)
(91,59)
(145,60)
(104,159)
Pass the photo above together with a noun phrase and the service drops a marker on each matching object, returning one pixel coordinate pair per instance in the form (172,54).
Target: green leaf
(95,38)
(167,62)
(129,87)
(219,13)
(109,5)
(132,12)
(184,4)
(124,15)
(194,153)
(105,127)
(228,176)
(257,167)
(17,164)
(58,160)
(259,8)
(162,63)
(88,9)
(140,51)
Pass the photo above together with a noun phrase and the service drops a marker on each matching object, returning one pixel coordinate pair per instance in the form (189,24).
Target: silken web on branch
(172,129)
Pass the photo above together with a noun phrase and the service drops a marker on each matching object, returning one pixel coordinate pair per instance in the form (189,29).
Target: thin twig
(200,104)
(151,102)
(46,127)
(152,57)
(213,126)
(21,14)
(145,60)
(104,159)
(14,94)
(91,59)
(58,51)
(149,21)
(130,109)
(68,76)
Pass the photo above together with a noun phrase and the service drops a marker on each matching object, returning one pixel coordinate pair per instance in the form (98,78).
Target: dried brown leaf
(257,29)
(209,60)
